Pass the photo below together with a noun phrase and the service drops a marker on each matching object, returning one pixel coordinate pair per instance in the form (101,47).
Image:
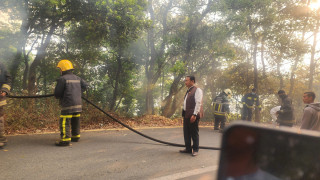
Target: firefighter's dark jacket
(250,99)
(221,105)
(286,115)
(68,90)
(5,79)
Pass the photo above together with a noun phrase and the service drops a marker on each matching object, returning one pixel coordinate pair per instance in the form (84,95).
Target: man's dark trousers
(191,131)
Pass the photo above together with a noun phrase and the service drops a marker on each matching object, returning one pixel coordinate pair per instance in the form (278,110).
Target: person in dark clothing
(221,108)
(5,87)
(248,102)
(285,115)
(68,90)
(311,113)
(191,113)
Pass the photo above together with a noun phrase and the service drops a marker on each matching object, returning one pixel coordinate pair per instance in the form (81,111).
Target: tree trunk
(255,66)
(298,58)
(170,103)
(152,74)
(21,44)
(247,72)
(293,70)
(116,82)
(25,73)
(313,51)
(281,85)
(36,62)
(255,50)
(26,64)
(262,58)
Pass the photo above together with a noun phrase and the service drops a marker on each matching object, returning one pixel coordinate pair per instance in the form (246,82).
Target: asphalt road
(109,154)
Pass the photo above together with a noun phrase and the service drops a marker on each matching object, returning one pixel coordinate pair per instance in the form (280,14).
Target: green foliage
(178,68)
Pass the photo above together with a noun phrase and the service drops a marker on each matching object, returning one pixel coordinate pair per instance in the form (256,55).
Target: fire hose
(118,121)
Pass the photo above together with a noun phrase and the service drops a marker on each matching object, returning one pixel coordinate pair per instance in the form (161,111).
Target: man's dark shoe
(195,153)
(75,139)
(185,151)
(62,143)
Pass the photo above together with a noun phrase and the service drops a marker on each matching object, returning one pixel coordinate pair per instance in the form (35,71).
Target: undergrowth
(25,116)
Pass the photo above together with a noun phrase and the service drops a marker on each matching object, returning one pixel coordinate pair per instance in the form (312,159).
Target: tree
(126,19)
(193,19)
(155,63)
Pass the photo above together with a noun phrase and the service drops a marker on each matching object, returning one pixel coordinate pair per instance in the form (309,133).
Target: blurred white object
(273,113)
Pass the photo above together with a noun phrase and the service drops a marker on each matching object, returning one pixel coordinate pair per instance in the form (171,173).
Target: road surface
(109,154)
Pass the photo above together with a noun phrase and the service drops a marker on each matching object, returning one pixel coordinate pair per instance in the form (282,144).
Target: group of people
(68,90)
(221,107)
(285,114)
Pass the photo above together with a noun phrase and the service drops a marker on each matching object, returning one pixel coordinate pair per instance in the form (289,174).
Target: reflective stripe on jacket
(221,105)
(250,99)
(69,89)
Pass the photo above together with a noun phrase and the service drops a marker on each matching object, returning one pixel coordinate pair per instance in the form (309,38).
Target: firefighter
(5,84)
(68,90)
(221,108)
(248,102)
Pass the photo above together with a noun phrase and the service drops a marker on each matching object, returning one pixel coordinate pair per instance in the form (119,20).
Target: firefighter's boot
(75,139)
(62,143)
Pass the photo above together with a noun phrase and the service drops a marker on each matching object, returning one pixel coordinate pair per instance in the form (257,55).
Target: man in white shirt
(191,113)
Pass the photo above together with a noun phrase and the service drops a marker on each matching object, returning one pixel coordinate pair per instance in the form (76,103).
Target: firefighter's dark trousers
(219,120)
(191,131)
(246,113)
(67,121)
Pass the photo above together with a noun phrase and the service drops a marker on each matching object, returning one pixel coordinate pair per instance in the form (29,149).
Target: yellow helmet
(228,92)
(65,65)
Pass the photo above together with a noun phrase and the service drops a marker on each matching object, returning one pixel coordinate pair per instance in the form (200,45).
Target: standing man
(5,84)
(191,113)
(311,113)
(68,90)
(285,115)
(221,108)
(248,102)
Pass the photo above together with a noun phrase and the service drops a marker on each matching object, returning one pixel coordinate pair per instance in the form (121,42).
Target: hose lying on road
(128,127)
(36,96)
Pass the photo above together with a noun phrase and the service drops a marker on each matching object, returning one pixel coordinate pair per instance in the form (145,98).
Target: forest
(135,54)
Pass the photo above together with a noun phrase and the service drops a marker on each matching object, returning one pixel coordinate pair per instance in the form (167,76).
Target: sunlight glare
(315,4)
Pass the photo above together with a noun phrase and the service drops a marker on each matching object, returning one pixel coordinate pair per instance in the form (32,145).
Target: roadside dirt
(137,122)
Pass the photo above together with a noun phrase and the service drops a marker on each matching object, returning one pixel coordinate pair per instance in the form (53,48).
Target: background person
(221,108)
(285,115)
(248,102)
(191,113)
(68,90)
(5,84)
(311,113)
